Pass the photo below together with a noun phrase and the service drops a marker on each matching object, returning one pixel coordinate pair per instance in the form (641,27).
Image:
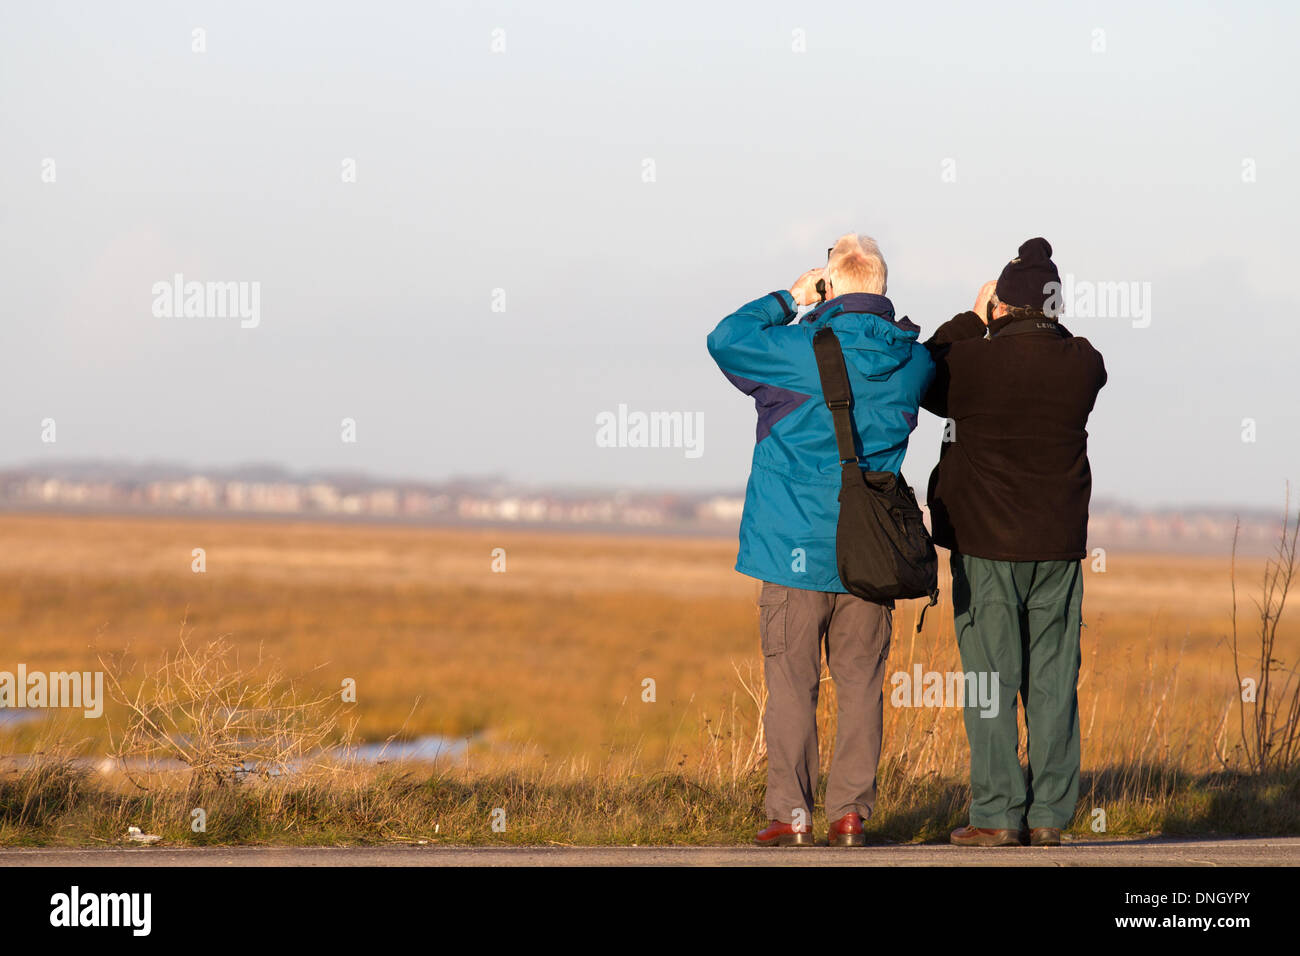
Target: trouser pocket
(773,603)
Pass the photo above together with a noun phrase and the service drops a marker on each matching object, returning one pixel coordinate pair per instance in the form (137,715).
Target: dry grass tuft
(223,720)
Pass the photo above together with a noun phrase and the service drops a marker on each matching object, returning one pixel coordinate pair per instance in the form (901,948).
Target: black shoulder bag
(881,546)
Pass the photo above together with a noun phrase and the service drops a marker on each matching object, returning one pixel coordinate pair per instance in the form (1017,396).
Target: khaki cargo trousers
(793,625)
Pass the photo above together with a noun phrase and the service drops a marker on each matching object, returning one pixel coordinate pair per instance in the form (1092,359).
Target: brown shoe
(982,836)
(784,834)
(847,831)
(1045,836)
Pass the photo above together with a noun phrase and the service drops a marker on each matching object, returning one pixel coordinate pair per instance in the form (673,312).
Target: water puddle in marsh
(421,749)
(426,749)
(18,716)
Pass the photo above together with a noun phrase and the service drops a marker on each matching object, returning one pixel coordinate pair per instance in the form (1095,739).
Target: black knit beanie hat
(1023,281)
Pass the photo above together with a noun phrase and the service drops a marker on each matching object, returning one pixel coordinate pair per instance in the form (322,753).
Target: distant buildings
(460,501)
(269,491)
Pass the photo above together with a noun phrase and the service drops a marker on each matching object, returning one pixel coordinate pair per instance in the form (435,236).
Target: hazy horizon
(164,470)
(949,133)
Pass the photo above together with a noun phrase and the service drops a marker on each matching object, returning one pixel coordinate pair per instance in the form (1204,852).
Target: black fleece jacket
(1013,481)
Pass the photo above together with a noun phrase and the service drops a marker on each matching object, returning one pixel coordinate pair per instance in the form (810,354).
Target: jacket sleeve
(967,325)
(754,343)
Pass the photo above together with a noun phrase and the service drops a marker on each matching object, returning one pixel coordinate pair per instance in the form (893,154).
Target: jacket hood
(865,323)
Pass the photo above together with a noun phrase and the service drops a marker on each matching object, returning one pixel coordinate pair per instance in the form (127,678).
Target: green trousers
(1021,620)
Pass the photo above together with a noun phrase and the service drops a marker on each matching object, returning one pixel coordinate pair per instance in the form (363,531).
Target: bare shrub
(1270,724)
(222,720)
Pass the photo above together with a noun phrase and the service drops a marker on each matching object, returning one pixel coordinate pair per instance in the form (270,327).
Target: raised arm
(757,345)
(966,325)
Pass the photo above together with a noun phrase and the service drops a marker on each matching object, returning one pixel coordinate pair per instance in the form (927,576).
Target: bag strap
(836,390)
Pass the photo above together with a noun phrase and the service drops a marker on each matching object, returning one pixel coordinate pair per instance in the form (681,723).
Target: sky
(473,228)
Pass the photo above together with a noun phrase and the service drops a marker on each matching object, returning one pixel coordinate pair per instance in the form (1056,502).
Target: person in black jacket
(1009,498)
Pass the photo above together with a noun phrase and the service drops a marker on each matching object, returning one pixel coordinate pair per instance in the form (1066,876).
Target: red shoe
(784,834)
(847,831)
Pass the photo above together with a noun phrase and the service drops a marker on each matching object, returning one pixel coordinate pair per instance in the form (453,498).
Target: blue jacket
(787,533)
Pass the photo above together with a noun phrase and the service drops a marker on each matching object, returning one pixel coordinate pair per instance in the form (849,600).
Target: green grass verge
(58,804)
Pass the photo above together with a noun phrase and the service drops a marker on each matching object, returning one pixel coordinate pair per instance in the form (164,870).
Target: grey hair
(856,265)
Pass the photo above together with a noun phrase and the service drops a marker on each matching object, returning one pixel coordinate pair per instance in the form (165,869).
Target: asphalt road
(1156,852)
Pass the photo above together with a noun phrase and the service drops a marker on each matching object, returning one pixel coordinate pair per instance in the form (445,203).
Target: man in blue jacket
(787,533)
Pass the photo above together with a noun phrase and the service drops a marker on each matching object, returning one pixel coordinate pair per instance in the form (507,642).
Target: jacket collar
(1033,322)
(861,303)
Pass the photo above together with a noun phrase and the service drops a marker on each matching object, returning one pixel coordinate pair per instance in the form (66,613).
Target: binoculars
(821,283)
